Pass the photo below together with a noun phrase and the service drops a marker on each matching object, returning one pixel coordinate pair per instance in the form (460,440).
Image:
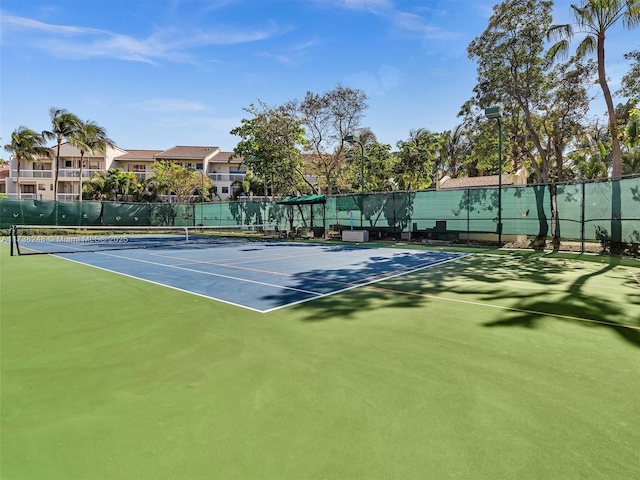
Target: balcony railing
(226,177)
(72,173)
(68,197)
(174,198)
(24,196)
(141,175)
(32,173)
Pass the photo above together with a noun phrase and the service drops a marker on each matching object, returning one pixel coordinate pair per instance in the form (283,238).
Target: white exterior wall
(221,175)
(37,178)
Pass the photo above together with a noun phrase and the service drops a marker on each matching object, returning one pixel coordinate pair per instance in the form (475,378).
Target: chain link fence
(605,214)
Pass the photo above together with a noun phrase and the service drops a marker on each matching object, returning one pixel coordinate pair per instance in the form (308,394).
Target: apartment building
(35,180)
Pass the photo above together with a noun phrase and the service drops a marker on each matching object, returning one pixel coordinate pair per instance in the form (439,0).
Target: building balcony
(174,198)
(23,196)
(32,174)
(74,173)
(142,175)
(68,197)
(227,177)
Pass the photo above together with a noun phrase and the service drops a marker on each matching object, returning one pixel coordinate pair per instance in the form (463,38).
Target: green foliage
(180,181)
(271,143)
(513,72)
(328,118)
(375,167)
(115,184)
(250,185)
(595,18)
(631,80)
(64,125)
(416,159)
(27,146)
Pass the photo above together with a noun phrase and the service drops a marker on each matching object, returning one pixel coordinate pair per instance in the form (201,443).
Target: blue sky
(158,73)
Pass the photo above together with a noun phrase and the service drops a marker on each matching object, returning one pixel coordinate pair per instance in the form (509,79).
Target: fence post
(582,214)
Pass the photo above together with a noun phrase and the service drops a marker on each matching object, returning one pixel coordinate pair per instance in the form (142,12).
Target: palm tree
(26,145)
(595,18)
(89,137)
(250,184)
(454,143)
(63,126)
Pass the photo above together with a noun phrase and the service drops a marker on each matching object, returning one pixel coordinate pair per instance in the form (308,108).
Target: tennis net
(48,239)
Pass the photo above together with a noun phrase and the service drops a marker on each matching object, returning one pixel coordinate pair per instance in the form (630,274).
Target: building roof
(475,182)
(139,154)
(188,152)
(4,170)
(224,157)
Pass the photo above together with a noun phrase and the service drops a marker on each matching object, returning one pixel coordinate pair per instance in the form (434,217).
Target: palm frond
(560,32)
(587,46)
(559,50)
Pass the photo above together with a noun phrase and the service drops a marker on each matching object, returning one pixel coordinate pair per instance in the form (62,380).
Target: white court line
(162,284)
(368,283)
(208,273)
(316,295)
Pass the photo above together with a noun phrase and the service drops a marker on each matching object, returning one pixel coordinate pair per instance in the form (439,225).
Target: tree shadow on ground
(577,304)
(492,279)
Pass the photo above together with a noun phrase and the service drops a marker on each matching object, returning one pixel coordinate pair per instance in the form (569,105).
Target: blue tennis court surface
(263,276)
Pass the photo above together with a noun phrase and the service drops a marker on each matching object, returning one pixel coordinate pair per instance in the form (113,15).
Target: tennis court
(495,365)
(263,276)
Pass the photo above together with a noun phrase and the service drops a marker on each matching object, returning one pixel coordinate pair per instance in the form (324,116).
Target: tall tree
(416,159)
(375,167)
(595,18)
(631,80)
(63,126)
(271,143)
(179,181)
(89,137)
(454,148)
(328,118)
(512,71)
(26,145)
(108,185)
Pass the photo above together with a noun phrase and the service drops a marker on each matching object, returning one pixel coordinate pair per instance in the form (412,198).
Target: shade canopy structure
(303,200)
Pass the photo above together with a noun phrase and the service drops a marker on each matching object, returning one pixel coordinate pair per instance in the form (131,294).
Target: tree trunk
(18,169)
(616,164)
(80,178)
(55,179)
(541,240)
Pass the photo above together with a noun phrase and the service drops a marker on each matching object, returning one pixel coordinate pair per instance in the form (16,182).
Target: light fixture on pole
(356,139)
(491,113)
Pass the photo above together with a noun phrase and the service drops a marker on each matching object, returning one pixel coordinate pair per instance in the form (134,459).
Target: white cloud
(166,44)
(416,24)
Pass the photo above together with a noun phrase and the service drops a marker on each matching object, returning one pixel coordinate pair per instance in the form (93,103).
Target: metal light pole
(356,139)
(351,139)
(496,112)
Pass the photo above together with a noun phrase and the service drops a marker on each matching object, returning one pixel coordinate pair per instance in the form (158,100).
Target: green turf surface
(452,372)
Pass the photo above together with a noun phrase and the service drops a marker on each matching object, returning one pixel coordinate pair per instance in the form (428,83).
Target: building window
(139,167)
(68,163)
(41,186)
(198,166)
(225,189)
(51,186)
(233,169)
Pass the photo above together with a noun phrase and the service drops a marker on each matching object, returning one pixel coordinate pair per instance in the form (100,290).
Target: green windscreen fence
(35,212)
(586,211)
